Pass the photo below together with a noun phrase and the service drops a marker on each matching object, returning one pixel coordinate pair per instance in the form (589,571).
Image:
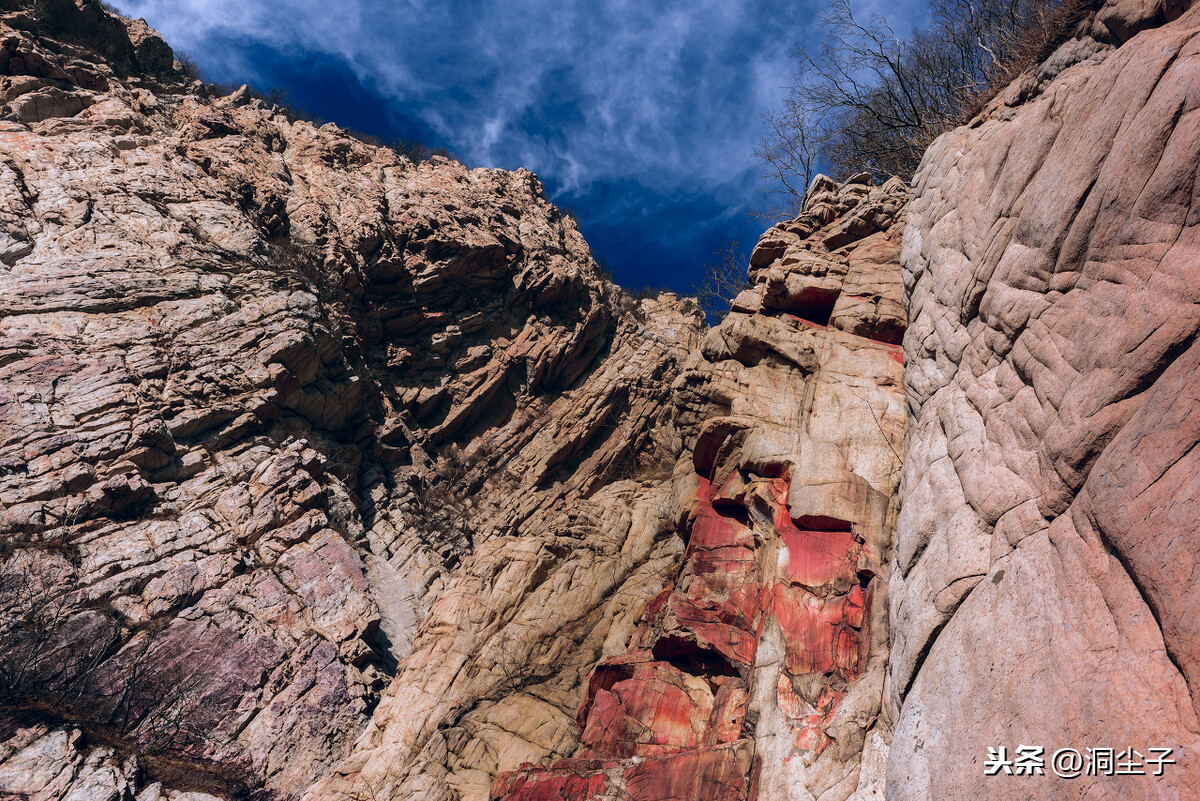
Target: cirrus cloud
(641,116)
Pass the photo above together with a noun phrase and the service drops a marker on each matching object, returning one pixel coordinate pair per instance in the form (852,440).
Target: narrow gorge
(325,474)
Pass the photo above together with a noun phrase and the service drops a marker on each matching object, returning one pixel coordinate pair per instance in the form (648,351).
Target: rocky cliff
(327,475)
(286,420)
(1044,590)
(759,672)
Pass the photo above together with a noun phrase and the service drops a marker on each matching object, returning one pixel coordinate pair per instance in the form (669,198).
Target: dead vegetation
(870,99)
(1043,33)
(724,277)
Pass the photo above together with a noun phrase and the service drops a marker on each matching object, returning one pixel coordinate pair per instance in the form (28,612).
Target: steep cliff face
(328,475)
(1044,591)
(286,420)
(759,673)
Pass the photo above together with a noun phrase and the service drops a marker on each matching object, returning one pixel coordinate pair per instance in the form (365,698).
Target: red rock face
(712,773)
(738,677)
(683,690)
(686,692)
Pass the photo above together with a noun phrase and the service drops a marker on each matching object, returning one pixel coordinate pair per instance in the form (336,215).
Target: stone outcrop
(328,475)
(1044,583)
(286,420)
(759,672)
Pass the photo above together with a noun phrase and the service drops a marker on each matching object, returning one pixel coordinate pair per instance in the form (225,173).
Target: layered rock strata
(286,420)
(326,474)
(1044,584)
(759,672)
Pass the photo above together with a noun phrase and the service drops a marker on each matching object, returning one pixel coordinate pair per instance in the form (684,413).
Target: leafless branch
(868,99)
(723,279)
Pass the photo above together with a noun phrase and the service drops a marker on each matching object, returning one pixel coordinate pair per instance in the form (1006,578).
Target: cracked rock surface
(287,420)
(1044,583)
(328,475)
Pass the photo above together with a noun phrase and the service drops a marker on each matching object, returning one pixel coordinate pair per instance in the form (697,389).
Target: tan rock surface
(283,416)
(1044,585)
(759,673)
(320,466)
(325,474)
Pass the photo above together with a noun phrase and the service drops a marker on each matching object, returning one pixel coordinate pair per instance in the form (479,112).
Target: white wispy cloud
(584,91)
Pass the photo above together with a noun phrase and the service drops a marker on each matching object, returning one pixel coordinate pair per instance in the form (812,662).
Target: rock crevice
(758,673)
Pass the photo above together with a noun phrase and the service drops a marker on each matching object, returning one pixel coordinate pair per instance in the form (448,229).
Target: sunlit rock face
(1044,589)
(324,475)
(287,421)
(759,672)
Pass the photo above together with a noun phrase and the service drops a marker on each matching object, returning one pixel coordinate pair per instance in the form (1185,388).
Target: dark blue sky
(640,117)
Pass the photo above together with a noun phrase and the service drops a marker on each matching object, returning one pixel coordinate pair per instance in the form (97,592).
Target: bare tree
(513,661)
(48,649)
(787,154)
(722,280)
(57,658)
(867,99)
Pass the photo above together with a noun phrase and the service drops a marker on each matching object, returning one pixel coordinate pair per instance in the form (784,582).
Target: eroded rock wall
(1044,583)
(758,674)
(287,420)
(326,474)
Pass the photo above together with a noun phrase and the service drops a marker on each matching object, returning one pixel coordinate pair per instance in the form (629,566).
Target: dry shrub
(1054,24)
(723,279)
(868,99)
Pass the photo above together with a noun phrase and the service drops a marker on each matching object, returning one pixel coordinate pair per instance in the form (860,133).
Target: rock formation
(1044,589)
(328,475)
(759,673)
(286,419)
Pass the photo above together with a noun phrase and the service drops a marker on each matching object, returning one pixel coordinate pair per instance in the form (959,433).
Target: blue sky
(638,116)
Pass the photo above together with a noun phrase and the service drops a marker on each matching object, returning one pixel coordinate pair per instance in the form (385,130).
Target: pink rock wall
(1044,583)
